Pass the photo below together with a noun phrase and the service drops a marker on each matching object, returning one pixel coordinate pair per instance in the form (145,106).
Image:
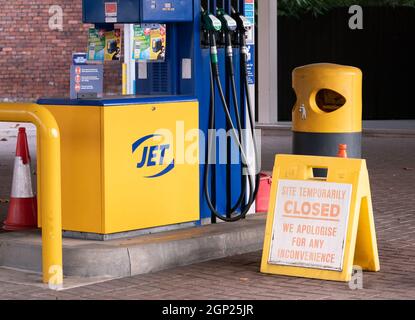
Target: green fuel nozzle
(210,22)
(212,25)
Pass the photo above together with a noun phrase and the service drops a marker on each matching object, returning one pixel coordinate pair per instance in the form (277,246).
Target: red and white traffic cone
(22,212)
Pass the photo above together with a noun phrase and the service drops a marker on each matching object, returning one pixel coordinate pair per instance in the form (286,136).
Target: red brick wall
(34,60)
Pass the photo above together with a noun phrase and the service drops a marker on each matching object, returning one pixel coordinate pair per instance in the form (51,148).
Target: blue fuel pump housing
(185,72)
(137,11)
(164,11)
(110,11)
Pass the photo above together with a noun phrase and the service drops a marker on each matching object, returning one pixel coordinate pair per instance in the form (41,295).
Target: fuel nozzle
(210,22)
(212,25)
(228,23)
(229,27)
(243,26)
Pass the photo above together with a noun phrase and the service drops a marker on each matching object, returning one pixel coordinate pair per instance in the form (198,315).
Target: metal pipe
(49,164)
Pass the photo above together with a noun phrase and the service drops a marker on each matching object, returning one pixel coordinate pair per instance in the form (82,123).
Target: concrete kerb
(139,255)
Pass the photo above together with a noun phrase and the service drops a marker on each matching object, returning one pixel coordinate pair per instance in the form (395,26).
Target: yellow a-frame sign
(319,227)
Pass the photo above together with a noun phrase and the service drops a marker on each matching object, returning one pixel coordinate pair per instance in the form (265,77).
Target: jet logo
(153,156)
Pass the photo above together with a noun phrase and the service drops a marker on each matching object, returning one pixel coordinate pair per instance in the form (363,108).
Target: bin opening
(329,101)
(320,174)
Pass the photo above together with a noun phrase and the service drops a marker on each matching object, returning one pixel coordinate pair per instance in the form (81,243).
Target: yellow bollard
(49,173)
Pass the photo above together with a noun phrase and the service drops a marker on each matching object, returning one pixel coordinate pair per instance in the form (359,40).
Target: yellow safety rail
(49,173)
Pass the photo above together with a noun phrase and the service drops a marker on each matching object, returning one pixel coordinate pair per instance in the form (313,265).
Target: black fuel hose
(233,215)
(231,69)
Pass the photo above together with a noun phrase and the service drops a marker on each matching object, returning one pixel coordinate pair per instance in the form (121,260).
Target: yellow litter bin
(328,111)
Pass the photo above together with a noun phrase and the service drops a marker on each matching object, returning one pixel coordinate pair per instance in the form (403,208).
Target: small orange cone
(22,212)
(342,151)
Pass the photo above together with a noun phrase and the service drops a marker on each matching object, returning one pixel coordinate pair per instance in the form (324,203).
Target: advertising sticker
(149,42)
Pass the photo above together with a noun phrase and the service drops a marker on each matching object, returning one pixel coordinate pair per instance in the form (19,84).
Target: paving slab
(13,277)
